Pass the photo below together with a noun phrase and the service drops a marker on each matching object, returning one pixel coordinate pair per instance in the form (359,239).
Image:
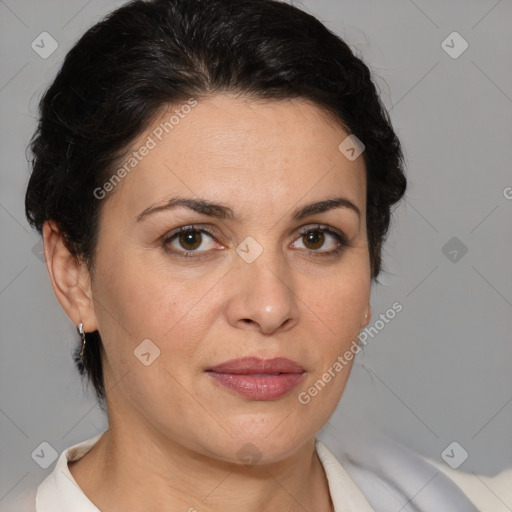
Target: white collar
(59,492)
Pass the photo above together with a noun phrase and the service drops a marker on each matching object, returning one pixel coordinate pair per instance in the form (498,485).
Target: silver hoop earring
(82,335)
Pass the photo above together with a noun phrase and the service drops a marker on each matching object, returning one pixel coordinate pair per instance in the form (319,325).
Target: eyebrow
(221,211)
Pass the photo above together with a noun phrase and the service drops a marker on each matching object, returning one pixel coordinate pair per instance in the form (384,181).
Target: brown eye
(313,239)
(321,240)
(190,240)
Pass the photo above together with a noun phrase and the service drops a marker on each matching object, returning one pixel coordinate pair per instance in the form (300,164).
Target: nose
(262,296)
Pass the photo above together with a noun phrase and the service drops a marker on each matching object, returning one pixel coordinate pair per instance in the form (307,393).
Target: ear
(70,280)
(367,316)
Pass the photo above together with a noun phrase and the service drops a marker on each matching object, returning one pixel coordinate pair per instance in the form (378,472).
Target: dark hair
(149,54)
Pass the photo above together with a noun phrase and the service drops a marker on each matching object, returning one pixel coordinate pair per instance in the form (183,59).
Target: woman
(213,181)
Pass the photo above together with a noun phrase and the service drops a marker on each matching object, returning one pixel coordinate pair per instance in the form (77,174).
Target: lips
(258,379)
(254,365)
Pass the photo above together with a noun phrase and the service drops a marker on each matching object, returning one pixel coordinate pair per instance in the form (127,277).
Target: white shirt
(59,492)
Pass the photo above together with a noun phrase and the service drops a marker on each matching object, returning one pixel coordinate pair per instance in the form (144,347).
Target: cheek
(336,311)
(136,301)
(340,300)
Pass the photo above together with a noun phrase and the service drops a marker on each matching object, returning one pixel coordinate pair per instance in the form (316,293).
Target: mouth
(258,379)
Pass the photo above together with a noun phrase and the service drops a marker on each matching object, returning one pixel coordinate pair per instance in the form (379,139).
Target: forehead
(233,149)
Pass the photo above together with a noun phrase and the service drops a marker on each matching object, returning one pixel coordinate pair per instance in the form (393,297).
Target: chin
(272,441)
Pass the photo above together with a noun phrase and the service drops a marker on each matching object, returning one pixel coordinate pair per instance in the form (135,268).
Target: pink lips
(258,379)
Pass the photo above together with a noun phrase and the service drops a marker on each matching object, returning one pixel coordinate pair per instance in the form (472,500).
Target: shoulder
(390,475)
(59,492)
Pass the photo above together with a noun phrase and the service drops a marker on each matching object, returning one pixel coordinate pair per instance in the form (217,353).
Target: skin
(174,433)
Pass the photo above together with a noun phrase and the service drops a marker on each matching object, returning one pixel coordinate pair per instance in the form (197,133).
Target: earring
(82,335)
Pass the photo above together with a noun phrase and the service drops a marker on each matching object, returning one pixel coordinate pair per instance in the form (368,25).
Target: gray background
(440,371)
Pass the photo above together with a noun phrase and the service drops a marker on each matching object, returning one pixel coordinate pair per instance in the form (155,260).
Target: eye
(322,239)
(188,239)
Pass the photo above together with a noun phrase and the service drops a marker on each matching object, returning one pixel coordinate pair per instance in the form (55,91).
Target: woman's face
(260,275)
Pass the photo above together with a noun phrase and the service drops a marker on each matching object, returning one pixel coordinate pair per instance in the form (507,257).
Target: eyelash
(338,236)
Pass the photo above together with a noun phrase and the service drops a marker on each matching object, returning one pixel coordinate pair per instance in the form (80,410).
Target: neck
(122,473)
